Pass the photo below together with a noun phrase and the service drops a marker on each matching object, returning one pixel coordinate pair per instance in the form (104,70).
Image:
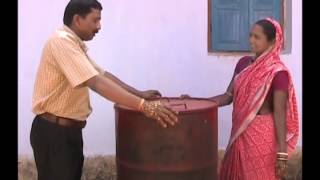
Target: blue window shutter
(230,25)
(232,20)
(260,9)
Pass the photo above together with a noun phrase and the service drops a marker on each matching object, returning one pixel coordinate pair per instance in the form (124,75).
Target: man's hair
(80,7)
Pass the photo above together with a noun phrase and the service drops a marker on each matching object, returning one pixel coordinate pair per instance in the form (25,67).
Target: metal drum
(187,151)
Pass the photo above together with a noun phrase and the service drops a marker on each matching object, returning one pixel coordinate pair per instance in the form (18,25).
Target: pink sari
(252,148)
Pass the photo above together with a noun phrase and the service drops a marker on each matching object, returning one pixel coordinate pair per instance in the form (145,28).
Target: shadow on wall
(104,167)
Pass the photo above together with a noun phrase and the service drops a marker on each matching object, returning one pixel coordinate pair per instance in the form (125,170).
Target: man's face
(89,25)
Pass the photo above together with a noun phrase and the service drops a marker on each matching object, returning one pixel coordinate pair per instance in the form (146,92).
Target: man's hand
(157,111)
(149,94)
(185,96)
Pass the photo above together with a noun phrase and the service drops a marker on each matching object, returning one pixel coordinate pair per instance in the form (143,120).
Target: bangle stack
(282,156)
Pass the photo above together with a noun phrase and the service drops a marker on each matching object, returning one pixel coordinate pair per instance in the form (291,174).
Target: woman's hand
(281,168)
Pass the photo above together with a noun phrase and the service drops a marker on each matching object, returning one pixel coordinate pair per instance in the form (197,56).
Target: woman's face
(258,40)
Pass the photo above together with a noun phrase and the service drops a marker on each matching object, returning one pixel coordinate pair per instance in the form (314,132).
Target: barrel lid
(182,105)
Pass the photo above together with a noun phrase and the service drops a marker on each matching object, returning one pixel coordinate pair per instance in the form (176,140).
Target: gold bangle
(281,156)
(282,159)
(282,153)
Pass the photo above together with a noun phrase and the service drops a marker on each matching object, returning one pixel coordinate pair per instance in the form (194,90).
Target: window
(230,22)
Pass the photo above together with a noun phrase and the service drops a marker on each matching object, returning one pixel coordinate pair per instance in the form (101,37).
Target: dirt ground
(103,167)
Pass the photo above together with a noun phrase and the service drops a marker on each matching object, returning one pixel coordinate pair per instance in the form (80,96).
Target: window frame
(284,17)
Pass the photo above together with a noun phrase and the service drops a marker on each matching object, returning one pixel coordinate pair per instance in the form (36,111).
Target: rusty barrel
(187,151)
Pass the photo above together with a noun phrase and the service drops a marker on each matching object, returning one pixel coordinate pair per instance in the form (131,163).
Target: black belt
(63,121)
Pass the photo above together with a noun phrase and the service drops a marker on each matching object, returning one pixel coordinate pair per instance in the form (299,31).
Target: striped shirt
(63,68)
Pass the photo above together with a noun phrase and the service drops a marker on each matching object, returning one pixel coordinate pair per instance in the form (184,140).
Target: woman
(264,119)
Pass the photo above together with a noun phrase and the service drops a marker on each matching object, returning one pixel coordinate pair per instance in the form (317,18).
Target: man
(61,97)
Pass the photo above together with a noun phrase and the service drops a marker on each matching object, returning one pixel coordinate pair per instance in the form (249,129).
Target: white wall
(149,44)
